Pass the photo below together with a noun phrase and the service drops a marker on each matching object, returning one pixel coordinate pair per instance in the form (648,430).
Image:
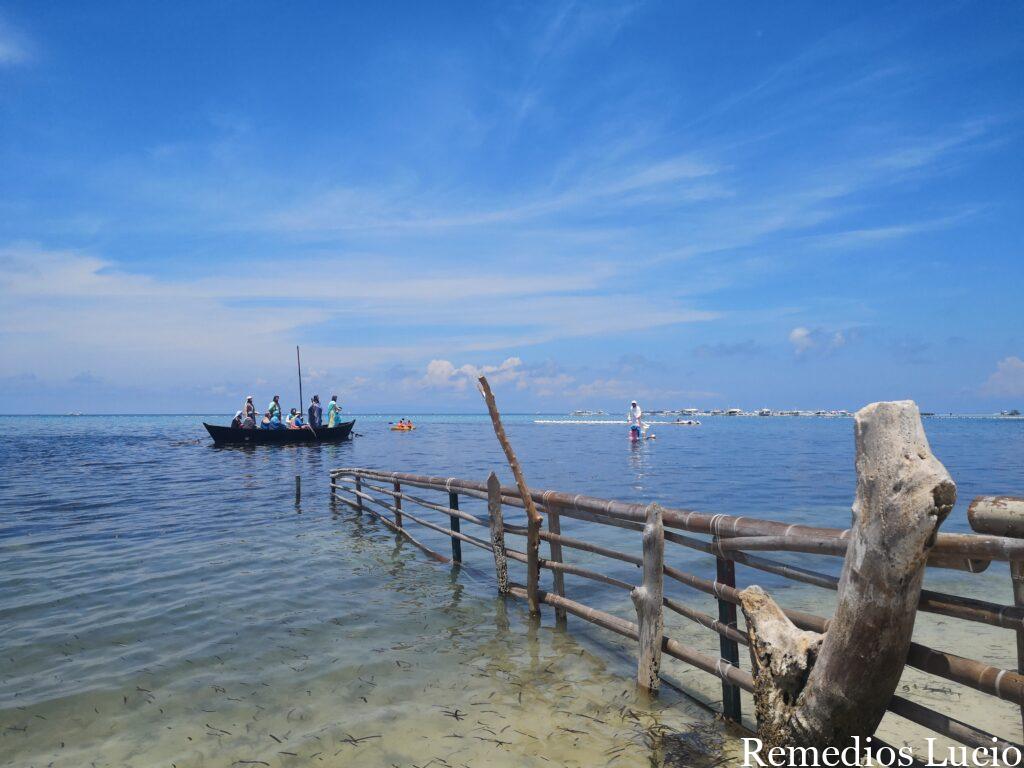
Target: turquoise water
(164,602)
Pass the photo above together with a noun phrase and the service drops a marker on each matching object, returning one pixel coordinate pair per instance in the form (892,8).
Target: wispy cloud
(91,310)
(14,45)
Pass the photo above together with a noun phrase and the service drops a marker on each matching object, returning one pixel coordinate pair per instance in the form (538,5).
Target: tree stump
(822,690)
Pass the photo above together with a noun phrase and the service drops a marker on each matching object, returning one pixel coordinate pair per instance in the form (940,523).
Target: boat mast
(298,363)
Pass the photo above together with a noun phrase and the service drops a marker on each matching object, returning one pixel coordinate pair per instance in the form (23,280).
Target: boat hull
(229,436)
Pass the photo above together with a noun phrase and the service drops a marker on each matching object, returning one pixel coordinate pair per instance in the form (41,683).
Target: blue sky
(710,204)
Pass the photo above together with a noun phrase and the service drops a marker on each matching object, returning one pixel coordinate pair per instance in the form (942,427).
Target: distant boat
(765,412)
(734,412)
(229,436)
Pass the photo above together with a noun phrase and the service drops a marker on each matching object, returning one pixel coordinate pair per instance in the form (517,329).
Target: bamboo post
(532,515)
(730,650)
(398,504)
(555,548)
(359,499)
(648,599)
(1017,577)
(453,503)
(1004,516)
(497,525)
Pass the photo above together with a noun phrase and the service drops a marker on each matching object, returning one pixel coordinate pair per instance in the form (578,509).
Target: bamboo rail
(733,538)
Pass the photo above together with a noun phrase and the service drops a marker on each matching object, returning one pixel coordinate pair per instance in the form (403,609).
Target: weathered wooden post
(453,503)
(532,515)
(359,499)
(729,649)
(1004,516)
(648,600)
(813,690)
(557,577)
(398,504)
(298,488)
(497,525)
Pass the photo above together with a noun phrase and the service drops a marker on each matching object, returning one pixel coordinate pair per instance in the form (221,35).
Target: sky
(788,205)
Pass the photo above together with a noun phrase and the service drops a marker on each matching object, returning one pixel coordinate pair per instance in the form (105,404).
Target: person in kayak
(316,413)
(275,407)
(333,412)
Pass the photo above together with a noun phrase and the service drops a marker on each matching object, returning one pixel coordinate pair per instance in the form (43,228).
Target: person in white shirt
(635,415)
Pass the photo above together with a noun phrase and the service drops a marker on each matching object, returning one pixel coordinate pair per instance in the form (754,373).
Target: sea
(164,602)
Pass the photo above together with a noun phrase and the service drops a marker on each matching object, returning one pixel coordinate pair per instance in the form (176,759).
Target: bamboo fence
(730,540)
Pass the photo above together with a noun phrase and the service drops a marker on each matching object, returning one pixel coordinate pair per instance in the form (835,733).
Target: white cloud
(806,341)
(442,374)
(1007,380)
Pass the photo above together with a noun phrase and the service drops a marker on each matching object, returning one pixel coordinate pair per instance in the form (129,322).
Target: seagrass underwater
(934,755)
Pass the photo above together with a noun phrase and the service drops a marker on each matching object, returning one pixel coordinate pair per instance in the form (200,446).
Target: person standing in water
(635,418)
(333,412)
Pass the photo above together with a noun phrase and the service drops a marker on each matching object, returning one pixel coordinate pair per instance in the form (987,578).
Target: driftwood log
(815,690)
(648,600)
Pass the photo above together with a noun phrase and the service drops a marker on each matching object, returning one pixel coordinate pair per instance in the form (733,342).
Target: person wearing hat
(315,412)
(249,410)
(236,423)
(635,416)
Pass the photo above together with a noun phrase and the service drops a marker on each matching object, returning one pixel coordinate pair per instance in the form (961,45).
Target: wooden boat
(229,436)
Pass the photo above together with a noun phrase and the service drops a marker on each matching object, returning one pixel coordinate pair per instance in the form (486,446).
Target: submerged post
(557,577)
(648,600)
(497,525)
(730,649)
(298,488)
(398,504)
(453,503)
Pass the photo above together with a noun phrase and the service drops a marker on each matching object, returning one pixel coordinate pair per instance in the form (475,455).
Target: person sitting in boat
(333,412)
(275,407)
(296,421)
(265,422)
(249,410)
(316,413)
(275,422)
(248,423)
(236,423)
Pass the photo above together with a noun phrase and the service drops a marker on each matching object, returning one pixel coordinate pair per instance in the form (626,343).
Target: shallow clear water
(164,602)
